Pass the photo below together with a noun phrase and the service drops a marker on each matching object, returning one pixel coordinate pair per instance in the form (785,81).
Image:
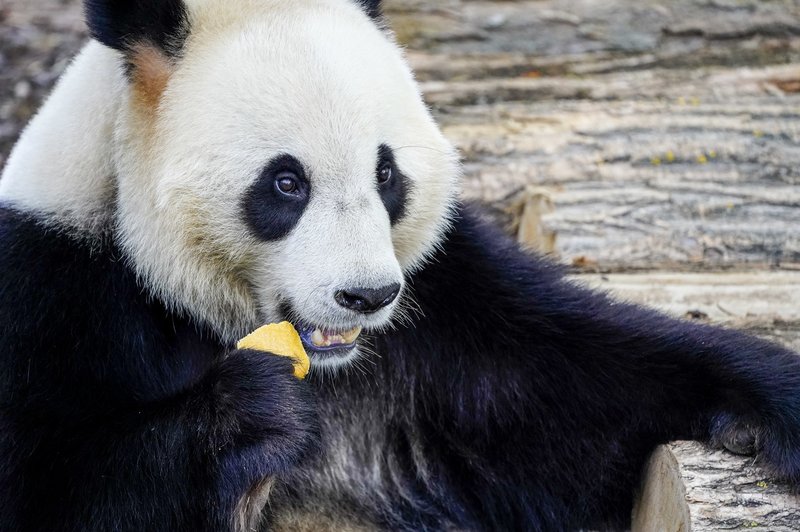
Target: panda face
(288,169)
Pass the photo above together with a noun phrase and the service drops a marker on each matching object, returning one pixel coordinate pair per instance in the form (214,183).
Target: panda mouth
(326,342)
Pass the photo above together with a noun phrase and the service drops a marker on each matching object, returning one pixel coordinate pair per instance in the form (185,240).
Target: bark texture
(689,487)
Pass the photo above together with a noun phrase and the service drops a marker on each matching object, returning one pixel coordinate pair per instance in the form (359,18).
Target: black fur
(517,400)
(393,192)
(121,24)
(116,414)
(373,8)
(269,213)
(513,400)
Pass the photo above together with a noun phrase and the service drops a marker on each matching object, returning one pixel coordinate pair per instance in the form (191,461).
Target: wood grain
(665,132)
(691,487)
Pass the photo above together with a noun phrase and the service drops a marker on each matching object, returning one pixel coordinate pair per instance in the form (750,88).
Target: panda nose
(367,300)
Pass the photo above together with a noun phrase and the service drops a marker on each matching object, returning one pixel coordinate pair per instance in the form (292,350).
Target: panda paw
(736,436)
(779,450)
(776,443)
(261,404)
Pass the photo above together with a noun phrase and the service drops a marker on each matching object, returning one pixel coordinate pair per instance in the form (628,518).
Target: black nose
(367,300)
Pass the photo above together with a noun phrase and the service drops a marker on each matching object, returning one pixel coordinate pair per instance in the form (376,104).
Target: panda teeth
(350,336)
(322,339)
(318,338)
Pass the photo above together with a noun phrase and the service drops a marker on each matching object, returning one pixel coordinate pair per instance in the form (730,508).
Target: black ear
(372,7)
(123,24)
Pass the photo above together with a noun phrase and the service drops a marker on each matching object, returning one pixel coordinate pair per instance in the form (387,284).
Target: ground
(652,145)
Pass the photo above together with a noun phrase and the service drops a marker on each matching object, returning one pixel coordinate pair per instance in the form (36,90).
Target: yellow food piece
(279,339)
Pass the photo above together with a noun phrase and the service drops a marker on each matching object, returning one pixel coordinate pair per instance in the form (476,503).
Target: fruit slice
(279,339)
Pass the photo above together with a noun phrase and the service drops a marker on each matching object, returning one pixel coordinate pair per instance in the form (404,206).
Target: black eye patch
(393,190)
(274,204)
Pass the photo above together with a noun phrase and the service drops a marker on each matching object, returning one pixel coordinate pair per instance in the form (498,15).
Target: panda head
(274,161)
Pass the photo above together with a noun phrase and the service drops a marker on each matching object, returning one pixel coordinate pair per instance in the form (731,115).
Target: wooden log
(726,297)
(763,303)
(650,185)
(663,132)
(688,487)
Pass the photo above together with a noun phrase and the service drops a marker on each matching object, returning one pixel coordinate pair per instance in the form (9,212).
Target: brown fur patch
(151,72)
(214,256)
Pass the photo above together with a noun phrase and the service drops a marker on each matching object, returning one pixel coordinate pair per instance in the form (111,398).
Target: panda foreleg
(200,460)
(261,421)
(247,421)
(539,400)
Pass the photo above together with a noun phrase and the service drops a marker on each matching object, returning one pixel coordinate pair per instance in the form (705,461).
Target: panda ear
(372,7)
(149,33)
(127,24)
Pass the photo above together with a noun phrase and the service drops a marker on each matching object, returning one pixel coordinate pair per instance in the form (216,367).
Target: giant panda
(208,166)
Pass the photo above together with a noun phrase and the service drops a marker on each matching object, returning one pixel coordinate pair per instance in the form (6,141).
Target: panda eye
(391,184)
(275,201)
(385,173)
(287,183)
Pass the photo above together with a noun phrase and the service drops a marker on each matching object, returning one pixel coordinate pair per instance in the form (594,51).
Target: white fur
(257,78)
(62,165)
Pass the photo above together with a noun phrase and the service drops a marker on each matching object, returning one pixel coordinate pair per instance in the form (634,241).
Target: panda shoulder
(52,283)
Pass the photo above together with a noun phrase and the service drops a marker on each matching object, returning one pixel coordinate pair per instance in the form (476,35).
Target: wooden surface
(653,145)
(762,302)
(666,132)
(689,487)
